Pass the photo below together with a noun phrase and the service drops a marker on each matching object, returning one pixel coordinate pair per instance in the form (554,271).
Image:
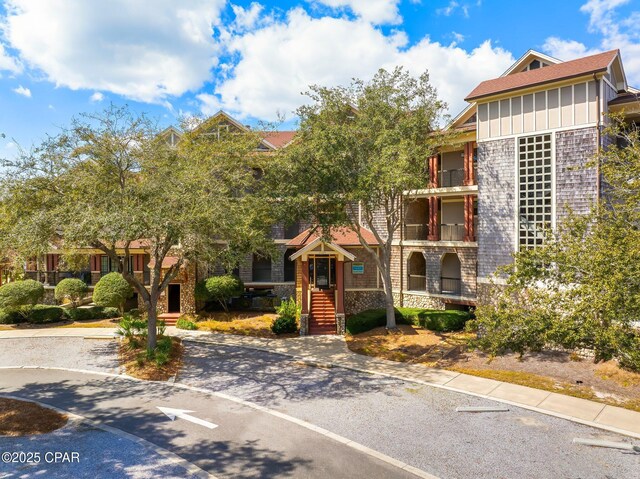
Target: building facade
(522,160)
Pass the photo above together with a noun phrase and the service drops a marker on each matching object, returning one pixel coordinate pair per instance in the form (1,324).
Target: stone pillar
(305,287)
(434,224)
(469,223)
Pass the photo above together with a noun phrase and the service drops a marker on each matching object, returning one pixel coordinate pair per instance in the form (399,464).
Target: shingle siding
(496,204)
(575,183)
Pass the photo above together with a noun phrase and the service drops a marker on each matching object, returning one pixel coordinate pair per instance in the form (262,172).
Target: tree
(112,179)
(581,289)
(358,149)
(112,291)
(220,289)
(73,289)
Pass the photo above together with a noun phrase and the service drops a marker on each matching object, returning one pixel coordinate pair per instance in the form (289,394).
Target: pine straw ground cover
(133,357)
(90,323)
(554,371)
(24,418)
(248,323)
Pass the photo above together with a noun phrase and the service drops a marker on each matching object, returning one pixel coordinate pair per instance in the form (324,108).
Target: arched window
(417,270)
(450,274)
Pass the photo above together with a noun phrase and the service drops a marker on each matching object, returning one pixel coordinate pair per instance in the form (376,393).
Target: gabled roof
(561,71)
(279,139)
(339,236)
(311,247)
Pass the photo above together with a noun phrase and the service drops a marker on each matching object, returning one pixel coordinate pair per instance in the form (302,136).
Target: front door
(322,272)
(173,298)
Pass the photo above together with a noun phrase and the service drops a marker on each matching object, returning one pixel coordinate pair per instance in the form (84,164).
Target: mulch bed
(149,370)
(24,418)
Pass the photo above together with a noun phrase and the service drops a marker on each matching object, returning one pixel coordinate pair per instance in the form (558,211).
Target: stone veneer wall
(496,204)
(356,301)
(575,183)
(413,300)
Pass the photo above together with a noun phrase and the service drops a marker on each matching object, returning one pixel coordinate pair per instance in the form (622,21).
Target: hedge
(20,293)
(11,317)
(73,289)
(433,319)
(95,312)
(112,291)
(44,313)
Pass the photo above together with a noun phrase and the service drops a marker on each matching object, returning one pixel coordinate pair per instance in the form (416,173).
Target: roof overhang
(325,249)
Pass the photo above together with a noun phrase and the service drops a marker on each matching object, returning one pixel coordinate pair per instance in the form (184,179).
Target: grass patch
(24,418)
(610,371)
(137,363)
(548,384)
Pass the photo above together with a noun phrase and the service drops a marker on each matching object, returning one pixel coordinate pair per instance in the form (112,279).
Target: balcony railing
(450,285)
(451,178)
(451,232)
(416,232)
(417,282)
(52,278)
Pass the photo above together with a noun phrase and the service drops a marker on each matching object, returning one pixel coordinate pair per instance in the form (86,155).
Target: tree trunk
(152,324)
(388,296)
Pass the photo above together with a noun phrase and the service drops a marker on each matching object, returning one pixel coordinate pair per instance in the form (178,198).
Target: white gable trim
(342,253)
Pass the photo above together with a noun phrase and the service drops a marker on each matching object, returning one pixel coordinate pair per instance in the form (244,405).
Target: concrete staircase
(170,319)
(322,317)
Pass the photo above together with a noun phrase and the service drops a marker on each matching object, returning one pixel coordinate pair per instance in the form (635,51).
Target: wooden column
(340,286)
(469,174)
(305,287)
(469,217)
(434,226)
(434,167)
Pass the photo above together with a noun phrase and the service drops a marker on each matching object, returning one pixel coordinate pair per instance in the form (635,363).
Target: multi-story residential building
(522,159)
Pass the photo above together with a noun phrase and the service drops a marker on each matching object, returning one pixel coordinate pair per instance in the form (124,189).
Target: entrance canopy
(313,242)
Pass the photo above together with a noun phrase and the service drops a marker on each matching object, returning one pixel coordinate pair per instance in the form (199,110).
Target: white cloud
(615,32)
(300,50)
(378,12)
(8,63)
(247,18)
(96,97)
(453,6)
(23,91)
(145,51)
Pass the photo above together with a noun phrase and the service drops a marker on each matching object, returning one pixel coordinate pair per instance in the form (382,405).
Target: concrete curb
(312,361)
(173,458)
(312,427)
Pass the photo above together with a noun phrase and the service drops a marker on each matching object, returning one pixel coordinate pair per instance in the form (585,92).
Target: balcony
(417,282)
(52,278)
(450,285)
(451,232)
(452,177)
(416,232)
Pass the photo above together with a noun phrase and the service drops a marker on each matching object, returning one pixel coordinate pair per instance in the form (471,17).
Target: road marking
(173,413)
(610,444)
(481,409)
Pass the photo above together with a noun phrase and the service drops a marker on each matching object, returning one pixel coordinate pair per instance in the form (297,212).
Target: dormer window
(534,65)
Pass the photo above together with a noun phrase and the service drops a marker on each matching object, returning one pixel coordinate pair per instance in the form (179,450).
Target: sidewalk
(332,351)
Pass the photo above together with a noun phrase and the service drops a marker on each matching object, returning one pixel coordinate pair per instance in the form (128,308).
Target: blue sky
(252,59)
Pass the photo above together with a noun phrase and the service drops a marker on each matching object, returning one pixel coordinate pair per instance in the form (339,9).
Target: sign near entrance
(357,268)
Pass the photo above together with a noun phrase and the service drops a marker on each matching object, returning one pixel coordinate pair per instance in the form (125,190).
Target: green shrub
(220,289)
(135,312)
(11,317)
(184,323)
(436,320)
(100,312)
(20,294)
(112,291)
(284,324)
(43,313)
(71,289)
(628,353)
(79,314)
(369,319)
(288,309)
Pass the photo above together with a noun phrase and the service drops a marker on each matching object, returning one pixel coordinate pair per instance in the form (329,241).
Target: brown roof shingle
(560,71)
(279,139)
(339,236)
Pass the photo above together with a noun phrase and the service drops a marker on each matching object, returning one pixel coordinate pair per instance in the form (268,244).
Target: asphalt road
(247,443)
(412,423)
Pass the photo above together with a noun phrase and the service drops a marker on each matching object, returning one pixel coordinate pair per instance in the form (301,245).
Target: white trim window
(535,208)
